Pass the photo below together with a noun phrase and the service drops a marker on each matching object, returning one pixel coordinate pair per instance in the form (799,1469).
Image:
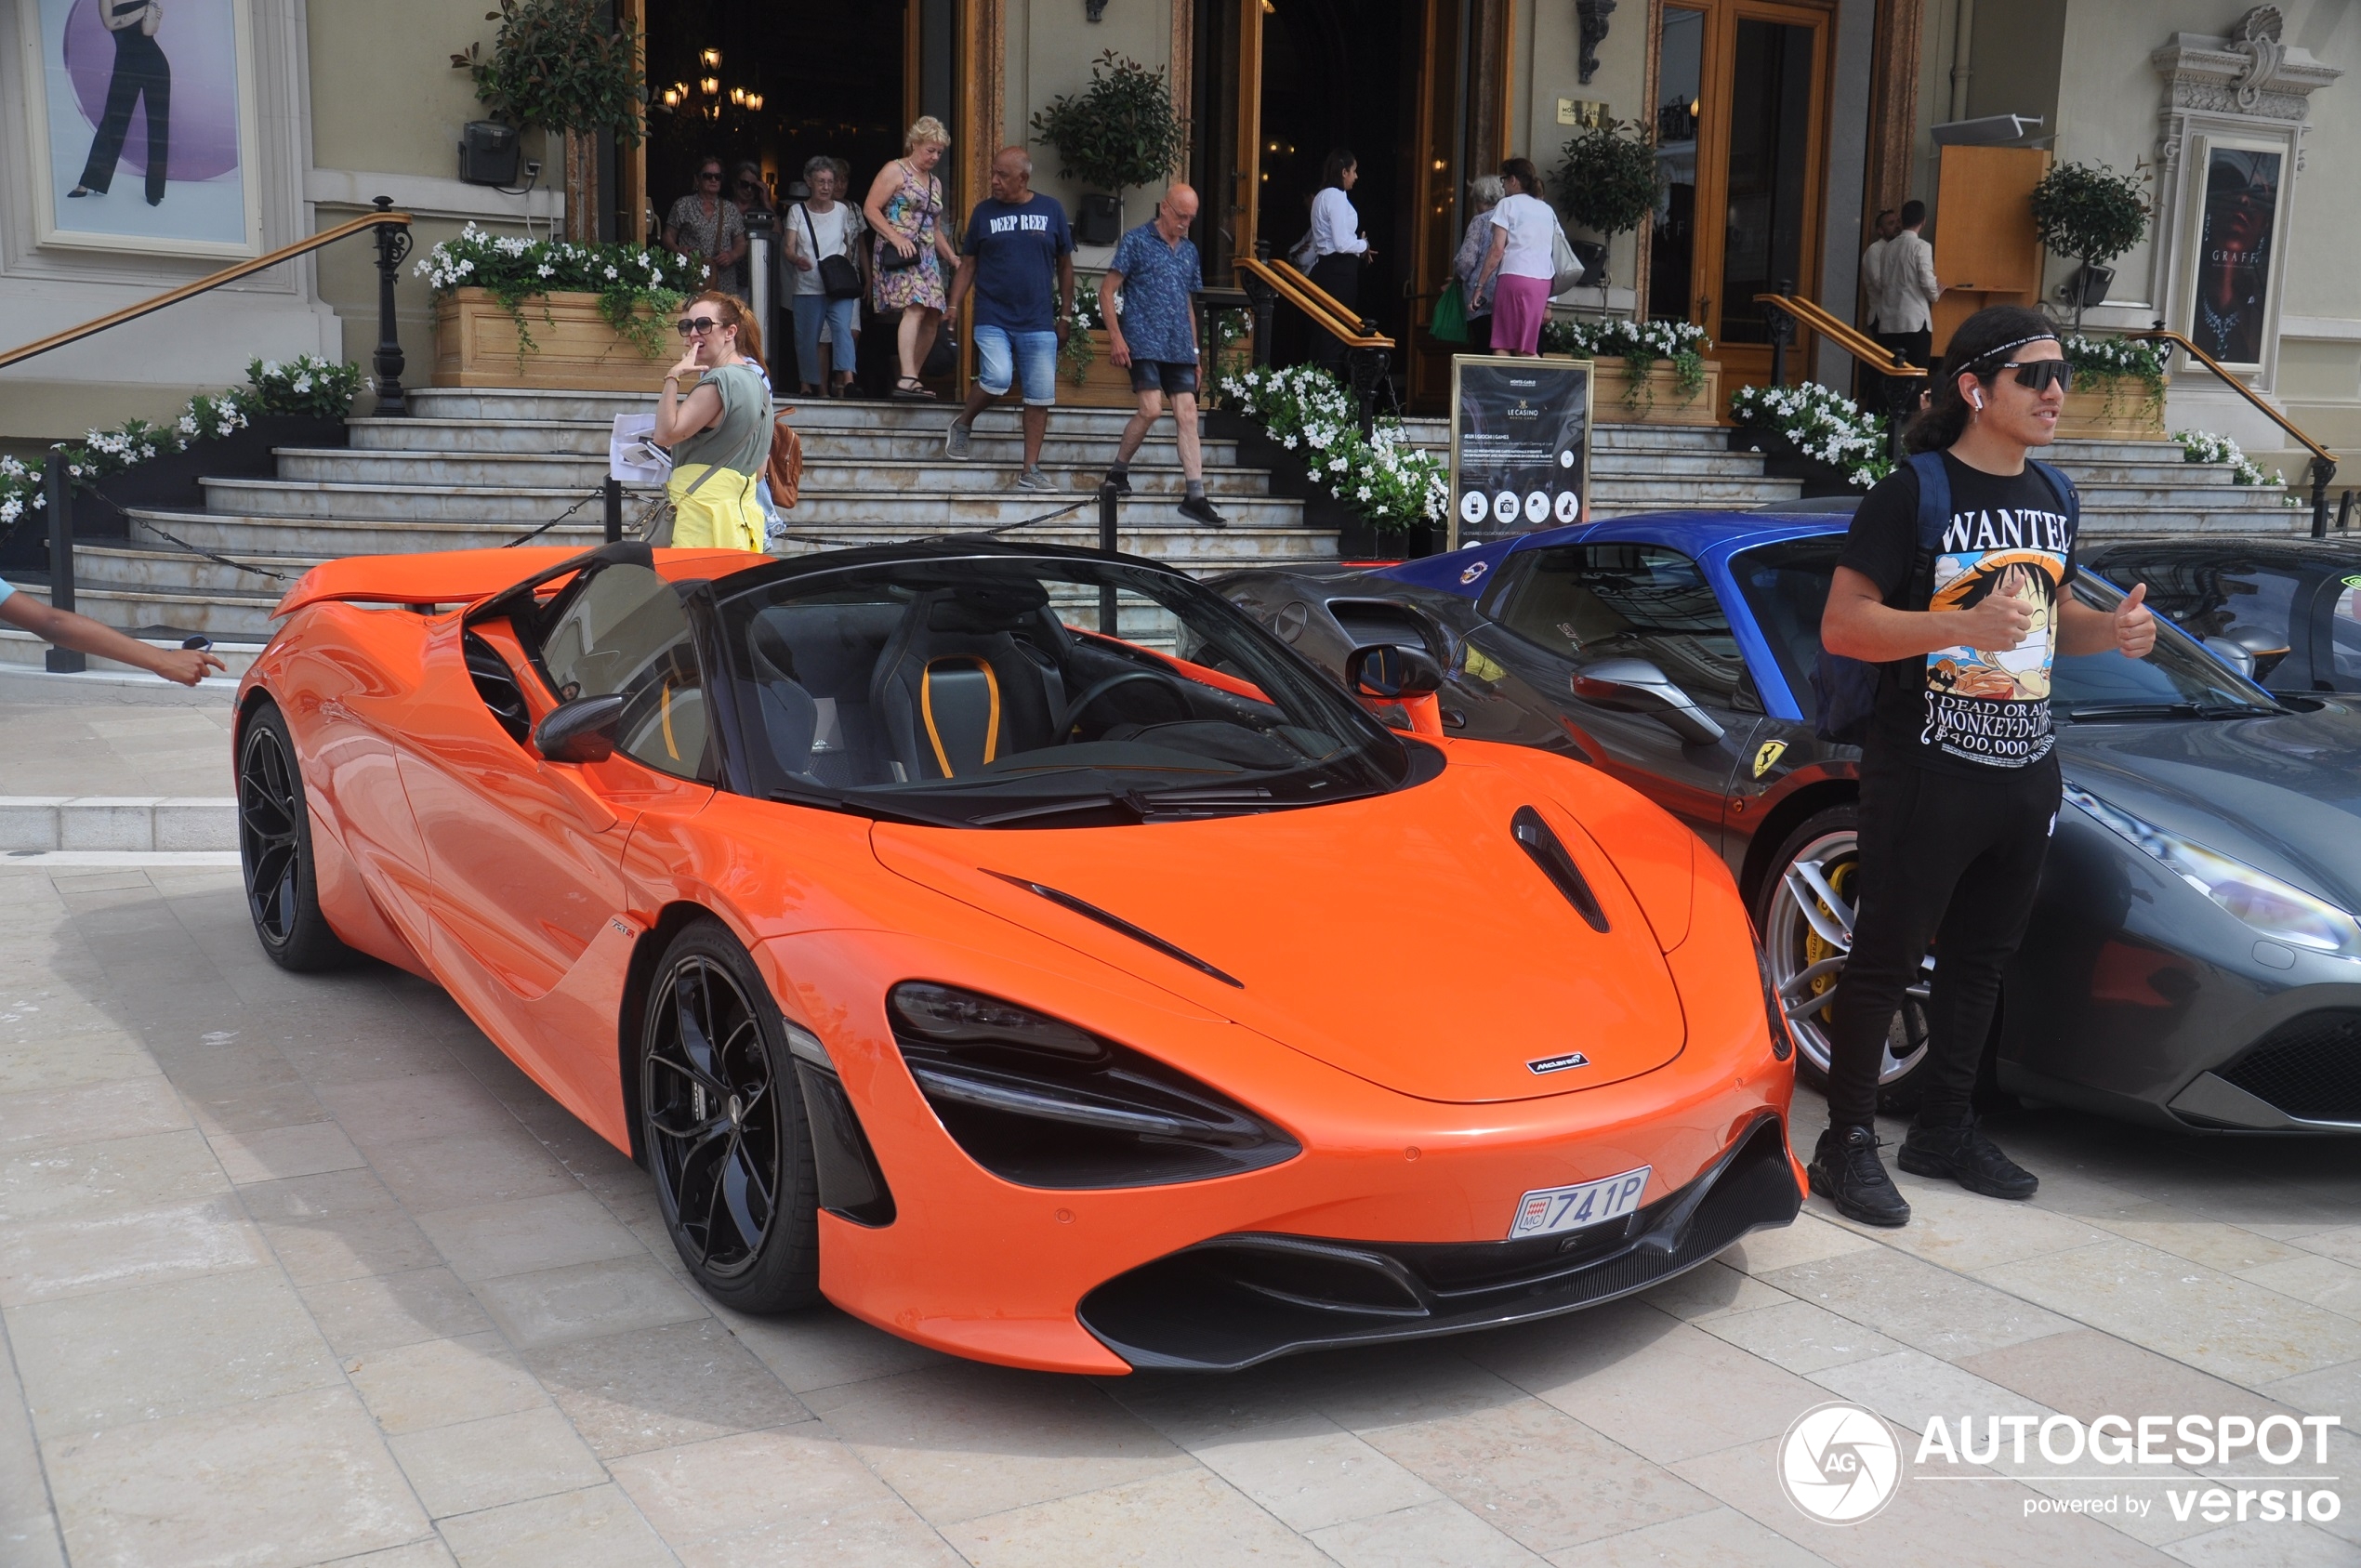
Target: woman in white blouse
(1521,261)
(1339,248)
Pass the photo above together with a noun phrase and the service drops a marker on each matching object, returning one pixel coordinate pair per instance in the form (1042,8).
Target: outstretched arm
(187,666)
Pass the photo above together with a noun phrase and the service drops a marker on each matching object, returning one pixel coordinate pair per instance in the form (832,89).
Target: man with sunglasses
(1955,579)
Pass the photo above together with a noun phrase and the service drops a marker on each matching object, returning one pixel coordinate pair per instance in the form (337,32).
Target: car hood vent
(1117,923)
(1532,836)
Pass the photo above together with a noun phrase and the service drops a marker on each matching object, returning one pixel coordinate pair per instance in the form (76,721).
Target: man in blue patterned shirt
(1155,333)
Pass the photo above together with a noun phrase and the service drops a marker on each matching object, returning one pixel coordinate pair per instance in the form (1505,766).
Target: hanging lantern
(710,58)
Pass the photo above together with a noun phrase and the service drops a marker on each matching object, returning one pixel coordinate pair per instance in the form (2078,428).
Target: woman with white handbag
(1530,261)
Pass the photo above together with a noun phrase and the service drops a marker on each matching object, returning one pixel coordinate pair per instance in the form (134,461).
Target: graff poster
(143,119)
(1520,444)
(2237,232)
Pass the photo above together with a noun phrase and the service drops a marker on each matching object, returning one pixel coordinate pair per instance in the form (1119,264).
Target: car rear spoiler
(470,577)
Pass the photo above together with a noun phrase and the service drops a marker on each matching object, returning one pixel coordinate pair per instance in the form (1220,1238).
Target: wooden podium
(1986,252)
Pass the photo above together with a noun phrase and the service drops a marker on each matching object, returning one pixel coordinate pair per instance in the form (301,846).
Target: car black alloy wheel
(1806,920)
(722,1123)
(275,849)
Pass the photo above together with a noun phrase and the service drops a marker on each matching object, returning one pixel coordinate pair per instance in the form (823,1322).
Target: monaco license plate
(1555,1209)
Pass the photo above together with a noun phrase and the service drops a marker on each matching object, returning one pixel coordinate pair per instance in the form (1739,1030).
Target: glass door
(1740,123)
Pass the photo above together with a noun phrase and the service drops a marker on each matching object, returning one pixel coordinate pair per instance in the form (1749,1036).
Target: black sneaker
(1119,483)
(1967,1157)
(1201,510)
(1845,1170)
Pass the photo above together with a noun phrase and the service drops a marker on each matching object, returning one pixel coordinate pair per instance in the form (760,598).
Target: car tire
(275,849)
(721,1121)
(1804,940)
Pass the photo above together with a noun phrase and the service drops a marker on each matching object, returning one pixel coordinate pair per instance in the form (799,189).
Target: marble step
(242,536)
(21,651)
(532,405)
(225,615)
(154,566)
(997,440)
(521,507)
(992,469)
(1640,491)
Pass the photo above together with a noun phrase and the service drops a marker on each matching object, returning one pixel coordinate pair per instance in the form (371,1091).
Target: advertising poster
(142,117)
(2237,229)
(1519,445)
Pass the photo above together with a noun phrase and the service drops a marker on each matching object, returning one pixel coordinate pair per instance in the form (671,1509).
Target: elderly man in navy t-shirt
(1156,270)
(1017,256)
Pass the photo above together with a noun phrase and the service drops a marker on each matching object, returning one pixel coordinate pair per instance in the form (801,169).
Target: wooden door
(1742,131)
(1440,178)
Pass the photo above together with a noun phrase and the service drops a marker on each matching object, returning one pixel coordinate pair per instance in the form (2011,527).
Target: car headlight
(2276,909)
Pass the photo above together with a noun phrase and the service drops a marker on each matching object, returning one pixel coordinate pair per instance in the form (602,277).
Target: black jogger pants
(1952,859)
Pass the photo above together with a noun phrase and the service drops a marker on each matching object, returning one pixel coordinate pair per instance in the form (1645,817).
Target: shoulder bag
(1565,267)
(839,279)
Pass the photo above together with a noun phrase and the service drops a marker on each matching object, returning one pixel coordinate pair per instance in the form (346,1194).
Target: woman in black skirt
(1339,248)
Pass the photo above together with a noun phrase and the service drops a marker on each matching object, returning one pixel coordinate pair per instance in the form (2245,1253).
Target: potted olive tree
(2088,212)
(1118,132)
(1607,184)
(563,66)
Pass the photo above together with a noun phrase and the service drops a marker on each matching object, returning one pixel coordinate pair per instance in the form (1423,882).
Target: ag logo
(1838,1464)
(1767,755)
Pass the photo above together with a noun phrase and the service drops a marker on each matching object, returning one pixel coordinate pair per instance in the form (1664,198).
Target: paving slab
(299,1270)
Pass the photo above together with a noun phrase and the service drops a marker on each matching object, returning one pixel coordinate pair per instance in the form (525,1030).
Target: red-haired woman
(719,431)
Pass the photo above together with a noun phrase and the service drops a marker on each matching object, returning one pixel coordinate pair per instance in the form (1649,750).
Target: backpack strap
(2068,496)
(1934,499)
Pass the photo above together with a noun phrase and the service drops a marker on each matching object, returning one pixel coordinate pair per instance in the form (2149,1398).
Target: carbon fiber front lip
(1197,1309)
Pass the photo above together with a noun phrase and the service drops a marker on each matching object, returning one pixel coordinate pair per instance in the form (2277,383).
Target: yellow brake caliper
(1816,947)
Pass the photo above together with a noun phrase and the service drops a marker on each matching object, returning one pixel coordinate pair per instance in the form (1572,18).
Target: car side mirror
(1637,686)
(1388,672)
(2251,650)
(581,731)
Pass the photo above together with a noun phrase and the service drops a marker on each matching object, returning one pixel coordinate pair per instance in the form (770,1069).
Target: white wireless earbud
(1975,399)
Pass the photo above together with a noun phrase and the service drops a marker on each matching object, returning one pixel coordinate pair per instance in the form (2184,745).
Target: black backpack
(1844,690)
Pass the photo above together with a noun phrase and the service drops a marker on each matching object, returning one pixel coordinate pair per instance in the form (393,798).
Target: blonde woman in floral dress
(904,210)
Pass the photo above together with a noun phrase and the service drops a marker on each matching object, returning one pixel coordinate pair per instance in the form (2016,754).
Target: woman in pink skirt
(1521,262)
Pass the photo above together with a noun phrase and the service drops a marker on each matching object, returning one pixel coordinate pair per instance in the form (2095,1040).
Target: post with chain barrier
(2322,472)
(393,243)
(59,476)
(614,510)
(1109,498)
(1898,401)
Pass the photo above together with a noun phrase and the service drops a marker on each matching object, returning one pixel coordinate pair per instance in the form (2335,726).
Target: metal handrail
(1852,339)
(189,291)
(2324,462)
(1325,309)
(1367,351)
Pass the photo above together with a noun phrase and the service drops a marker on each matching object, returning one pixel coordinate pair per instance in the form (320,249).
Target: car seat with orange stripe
(965,681)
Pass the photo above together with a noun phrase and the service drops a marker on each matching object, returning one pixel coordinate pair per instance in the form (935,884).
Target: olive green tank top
(741,438)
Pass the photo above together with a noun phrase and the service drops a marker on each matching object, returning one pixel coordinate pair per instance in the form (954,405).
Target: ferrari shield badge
(1767,755)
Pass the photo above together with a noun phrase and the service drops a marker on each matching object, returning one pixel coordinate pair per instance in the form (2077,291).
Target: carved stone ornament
(2251,75)
(1592,15)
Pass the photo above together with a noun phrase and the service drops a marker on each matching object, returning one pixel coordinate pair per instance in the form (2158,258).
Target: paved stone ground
(300,1269)
(123,736)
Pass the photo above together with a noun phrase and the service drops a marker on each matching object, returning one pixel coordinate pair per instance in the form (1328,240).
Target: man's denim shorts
(1035,357)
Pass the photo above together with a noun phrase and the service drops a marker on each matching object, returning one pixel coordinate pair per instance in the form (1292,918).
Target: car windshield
(1785,585)
(978,691)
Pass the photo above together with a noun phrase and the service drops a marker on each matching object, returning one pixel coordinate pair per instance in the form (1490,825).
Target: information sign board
(1519,445)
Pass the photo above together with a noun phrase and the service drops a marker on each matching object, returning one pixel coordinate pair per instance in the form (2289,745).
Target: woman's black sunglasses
(2039,376)
(688,325)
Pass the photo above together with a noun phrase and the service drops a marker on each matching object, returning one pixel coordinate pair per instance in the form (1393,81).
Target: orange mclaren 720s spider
(1020,946)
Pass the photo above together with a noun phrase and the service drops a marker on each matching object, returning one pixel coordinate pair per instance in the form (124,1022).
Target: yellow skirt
(723,515)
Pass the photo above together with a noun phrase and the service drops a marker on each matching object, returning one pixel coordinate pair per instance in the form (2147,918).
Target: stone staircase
(478,468)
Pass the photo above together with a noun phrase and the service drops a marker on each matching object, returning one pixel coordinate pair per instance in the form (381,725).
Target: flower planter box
(2117,409)
(1659,402)
(477,344)
(1357,538)
(1781,460)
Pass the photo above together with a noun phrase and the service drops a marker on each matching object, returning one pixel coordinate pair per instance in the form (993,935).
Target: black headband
(2036,337)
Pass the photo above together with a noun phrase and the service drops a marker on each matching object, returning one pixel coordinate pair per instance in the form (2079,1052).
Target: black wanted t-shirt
(1964,709)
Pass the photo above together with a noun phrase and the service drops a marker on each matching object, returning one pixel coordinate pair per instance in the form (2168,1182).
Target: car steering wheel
(1063,728)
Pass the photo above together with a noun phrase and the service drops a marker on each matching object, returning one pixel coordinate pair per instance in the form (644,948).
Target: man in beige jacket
(1903,289)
